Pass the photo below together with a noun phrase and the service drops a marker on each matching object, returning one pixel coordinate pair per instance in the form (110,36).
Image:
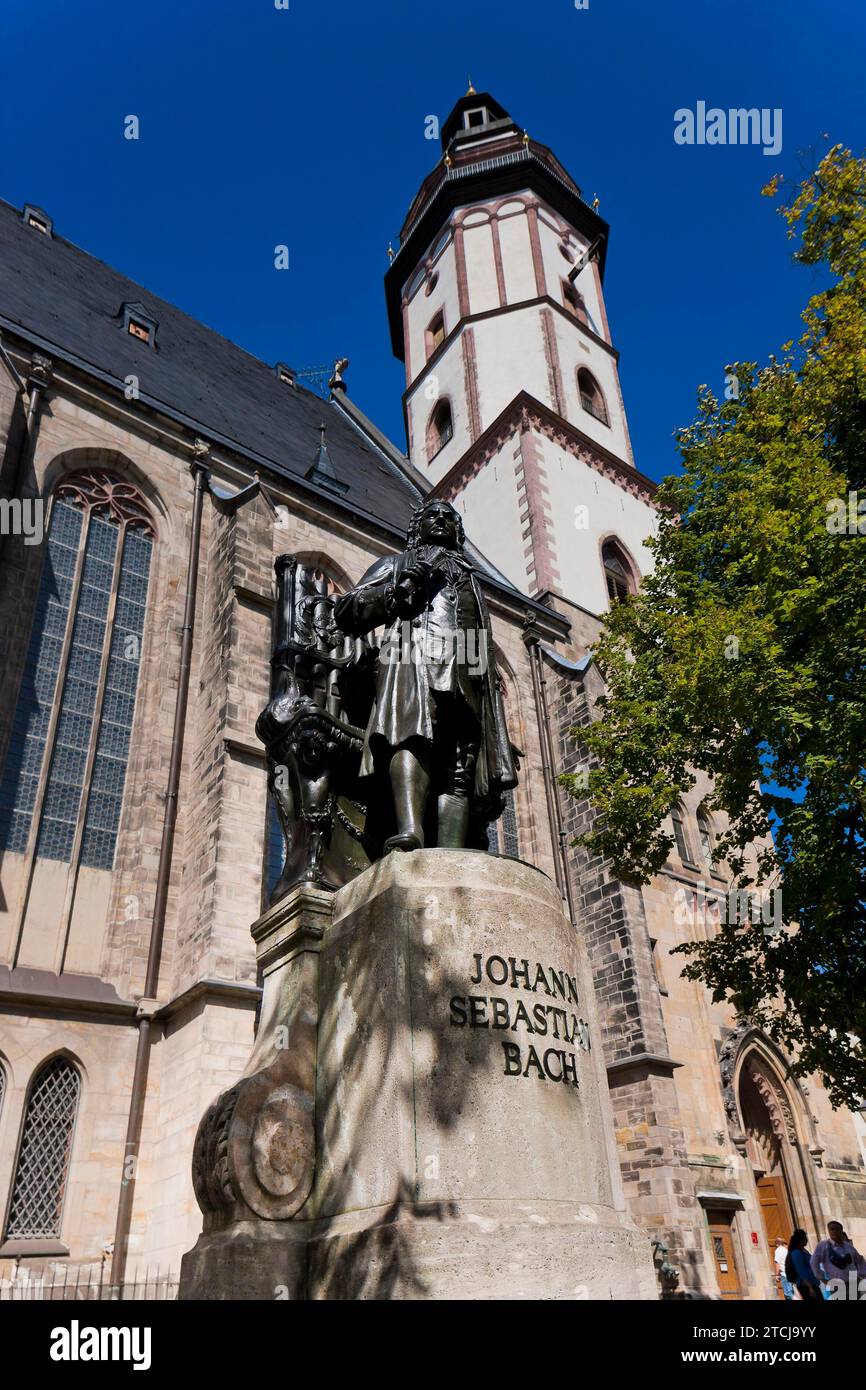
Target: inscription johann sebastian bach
(556,1021)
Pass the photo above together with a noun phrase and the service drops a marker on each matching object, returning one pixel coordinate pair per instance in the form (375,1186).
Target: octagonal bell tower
(496,307)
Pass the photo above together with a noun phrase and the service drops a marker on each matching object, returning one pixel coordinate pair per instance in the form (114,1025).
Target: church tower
(513,405)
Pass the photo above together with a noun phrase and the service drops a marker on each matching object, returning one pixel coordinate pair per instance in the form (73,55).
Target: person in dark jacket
(798,1267)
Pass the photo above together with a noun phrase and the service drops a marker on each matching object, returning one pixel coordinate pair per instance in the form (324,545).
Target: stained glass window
(275,850)
(83,658)
(30,723)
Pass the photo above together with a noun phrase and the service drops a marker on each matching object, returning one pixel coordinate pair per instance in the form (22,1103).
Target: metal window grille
(83,660)
(591,397)
(508,837)
(616,574)
(43,1160)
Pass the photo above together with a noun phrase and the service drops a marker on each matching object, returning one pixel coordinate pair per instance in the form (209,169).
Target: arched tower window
(440,428)
(2,1086)
(617,572)
(42,1171)
(434,334)
(62,786)
(574,302)
(591,397)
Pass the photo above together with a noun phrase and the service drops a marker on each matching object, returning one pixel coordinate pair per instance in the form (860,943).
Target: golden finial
(391,252)
(448,161)
(526,137)
(595,203)
(470,90)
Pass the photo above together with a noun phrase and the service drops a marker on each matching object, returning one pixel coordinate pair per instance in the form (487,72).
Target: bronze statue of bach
(437,726)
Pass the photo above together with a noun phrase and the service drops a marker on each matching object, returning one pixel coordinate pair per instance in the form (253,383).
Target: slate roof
(71,305)
(54,292)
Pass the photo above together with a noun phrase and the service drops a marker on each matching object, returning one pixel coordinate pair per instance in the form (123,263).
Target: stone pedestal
(425,1114)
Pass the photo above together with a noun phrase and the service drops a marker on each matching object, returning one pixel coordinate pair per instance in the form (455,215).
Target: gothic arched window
(679,823)
(617,572)
(591,397)
(62,786)
(440,428)
(706,838)
(42,1170)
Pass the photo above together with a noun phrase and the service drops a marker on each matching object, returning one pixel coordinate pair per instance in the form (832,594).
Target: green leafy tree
(744,655)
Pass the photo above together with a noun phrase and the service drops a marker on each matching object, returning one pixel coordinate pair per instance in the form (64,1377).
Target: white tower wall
(544,490)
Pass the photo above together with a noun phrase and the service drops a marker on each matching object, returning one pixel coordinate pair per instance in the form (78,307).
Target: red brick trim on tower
(535,243)
(551,357)
(534,503)
(470,378)
(600,295)
(462,278)
(406,341)
(622,414)
(519,414)
(497,261)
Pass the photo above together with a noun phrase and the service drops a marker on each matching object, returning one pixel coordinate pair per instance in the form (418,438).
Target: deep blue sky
(306,127)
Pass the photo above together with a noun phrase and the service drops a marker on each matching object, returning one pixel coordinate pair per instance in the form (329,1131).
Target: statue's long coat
(403,707)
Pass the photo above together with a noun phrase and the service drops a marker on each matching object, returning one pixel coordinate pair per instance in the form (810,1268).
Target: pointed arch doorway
(771,1138)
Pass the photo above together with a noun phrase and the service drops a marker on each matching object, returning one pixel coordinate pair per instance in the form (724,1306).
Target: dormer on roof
(38,219)
(139,323)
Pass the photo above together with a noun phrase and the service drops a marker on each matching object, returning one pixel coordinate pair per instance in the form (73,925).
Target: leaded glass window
(678,822)
(705,835)
(43,1158)
(62,787)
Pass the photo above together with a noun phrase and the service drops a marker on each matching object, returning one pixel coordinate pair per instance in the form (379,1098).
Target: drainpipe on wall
(147,1005)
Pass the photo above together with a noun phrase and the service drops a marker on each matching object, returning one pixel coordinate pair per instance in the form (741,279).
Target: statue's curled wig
(418,516)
